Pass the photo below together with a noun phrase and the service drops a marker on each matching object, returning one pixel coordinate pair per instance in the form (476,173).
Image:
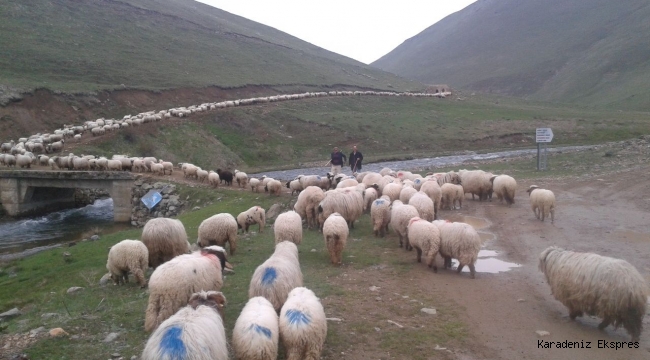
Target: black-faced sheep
(288,227)
(335,234)
(218,230)
(504,187)
(256,332)
(609,288)
(195,332)
(542,202)
(254,215)
(295,186)
(303,326)
(425,238)
(278,275)
(128,256)
(459,241)
(165,239)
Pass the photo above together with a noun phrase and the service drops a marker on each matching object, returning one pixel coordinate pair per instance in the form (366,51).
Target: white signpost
(542,136)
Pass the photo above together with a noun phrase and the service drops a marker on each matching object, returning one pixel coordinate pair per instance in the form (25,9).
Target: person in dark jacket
(337,159)
(355,159)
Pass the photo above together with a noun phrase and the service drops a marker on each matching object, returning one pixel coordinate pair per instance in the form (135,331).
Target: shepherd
(336,159)
(355,159)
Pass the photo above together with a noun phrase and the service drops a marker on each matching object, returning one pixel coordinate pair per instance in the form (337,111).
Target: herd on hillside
(190,322)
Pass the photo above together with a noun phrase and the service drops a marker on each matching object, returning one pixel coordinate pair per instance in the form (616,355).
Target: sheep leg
(419,251)
(447,264)
(552,211)
(460,267)
(604,324)
(233,245)
(400,239)
(575,313)
(472,271)
(313,353)
(294,354)
(139,276)
(542,214)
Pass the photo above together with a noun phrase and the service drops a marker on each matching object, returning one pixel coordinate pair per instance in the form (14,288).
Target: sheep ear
(228,265)
(218,298)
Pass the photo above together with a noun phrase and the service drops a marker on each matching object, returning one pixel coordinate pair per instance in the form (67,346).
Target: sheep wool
(217,230)
(254,183)
(256,332)
(452,193)
(369,196)
(195,332)
(459,241)
(335,233)
(241,178)
(400,215)
(254,215)
(609,288)
(347,201)
(165,239)
(504,187)
(274,187)
(278,275)
(542,202)
(288,227)
(476,182)
(307,205)
(425,238)
(424,205)
(380,216)
(128,256)
(303,326)
(434,192)
(406,193)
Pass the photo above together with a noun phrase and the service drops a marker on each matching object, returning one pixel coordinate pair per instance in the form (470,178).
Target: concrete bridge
(24,192)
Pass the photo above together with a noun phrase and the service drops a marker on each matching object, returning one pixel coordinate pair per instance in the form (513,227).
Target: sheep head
(531,189)
(213,299)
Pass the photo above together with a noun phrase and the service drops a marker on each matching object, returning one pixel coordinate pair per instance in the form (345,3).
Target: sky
(364,30)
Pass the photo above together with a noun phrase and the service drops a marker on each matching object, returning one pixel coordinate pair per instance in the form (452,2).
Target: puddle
(488,263)
(631,235)
(486,236)
(476,222)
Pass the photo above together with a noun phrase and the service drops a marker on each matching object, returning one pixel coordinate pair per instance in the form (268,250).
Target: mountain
(595,53)
(88,45)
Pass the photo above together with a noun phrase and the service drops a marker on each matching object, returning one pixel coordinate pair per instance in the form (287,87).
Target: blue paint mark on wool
(379,201)
(269,276)
(297,317)
(261,330)
(171,344)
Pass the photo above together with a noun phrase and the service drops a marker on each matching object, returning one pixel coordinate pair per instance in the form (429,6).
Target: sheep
(195,332)
(307,204)
(189,171)
(158,169)
(303,326)
(43,160)
(241,178)
(225,176)
(254,183)
(254,215)
(433,190)
(213,179)
(114,165)
(201,175)
(347,183)
(288,227)
(371,178)
(504,187)
(167,166)
(274,187)
(424,205)
(128,256)
(138,165)
(10,160)
(172,284)
(425,238)
(165,239)
(386,171)
(380,216)
(348,202)
(265,180)
(23,161)
(127,164)
(452,193)
(400,215)
(276,276)
(295,186)
(542,202)
(448,178)
(609,288)
(256,332)
(392,190)
(476,182)
(335,234)
(148,161)
(218,229)
(460,241)
(322,182)
(406,193)
(369,196)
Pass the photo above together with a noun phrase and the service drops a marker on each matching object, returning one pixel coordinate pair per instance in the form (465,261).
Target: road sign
(543,135)
(151,199)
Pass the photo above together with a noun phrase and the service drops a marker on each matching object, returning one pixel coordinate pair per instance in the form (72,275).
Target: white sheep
(165,239)
(295,186)
(303,325)
(189,170)
(278,275)
(256,332)
(114,165)
(434,192)
(307,205)
(347,201)
(288,227)
(274,187)
(172,284)
(213,179)
(424,205)
(218,229)
(195,332)
(542,202)
(241,178)
(254,215)
(504,187)
(400,215)
(254,183)
(158,169)
(425,238)
(476,182)
(380,216)
(128,256)
(609,288)
(167,166)
(392,190)
(369,196)
(459,241)
(201,175)
(406,193)
(452,193)
(322,182)
(335,234)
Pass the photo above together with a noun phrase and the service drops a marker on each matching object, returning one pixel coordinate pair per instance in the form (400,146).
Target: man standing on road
(337,159)
(355,160)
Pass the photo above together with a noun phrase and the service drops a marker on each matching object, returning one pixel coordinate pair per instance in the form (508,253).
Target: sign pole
(542,136)
(539,146)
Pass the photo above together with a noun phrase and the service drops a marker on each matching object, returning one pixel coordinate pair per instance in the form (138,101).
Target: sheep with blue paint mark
(195,332)
(303,326)
(380,216)
(256,332)
(278,275)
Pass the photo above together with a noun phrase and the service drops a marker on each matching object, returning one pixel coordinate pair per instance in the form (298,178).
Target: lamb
(609,288)
(307,204)
(288,227)
(425,238)
(452,193)
(476,182)
(213,179)
(400,215)
(504,186)
(165,239)
(128,256)
(348,202)
(218,229)
(278,275)
(380,216)
(460,241)
(303,326)
(295,186)
(241,178)
(542,202)
(274,187)
(172,284)
(424,205)
(406,193)
(335,233)
(256,332)
(195,332)
(254,215)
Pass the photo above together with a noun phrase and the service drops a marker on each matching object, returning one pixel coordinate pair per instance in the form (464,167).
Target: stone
(158,185)
(49,315)
(428,311)
(146,187)
(94,238)
(74,289)
(104,280)
(521,300)
(111,337)
(134,357)
(115,355)
(138,182)
(541,333)
(58,332)
(313,250)
(172,208)
(34,332)
(374,288)
(198,208)
(273,212)
(11,313)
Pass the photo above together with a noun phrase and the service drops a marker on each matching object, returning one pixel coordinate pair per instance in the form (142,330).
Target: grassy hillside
(86,45)
(594,53)
(286,134)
